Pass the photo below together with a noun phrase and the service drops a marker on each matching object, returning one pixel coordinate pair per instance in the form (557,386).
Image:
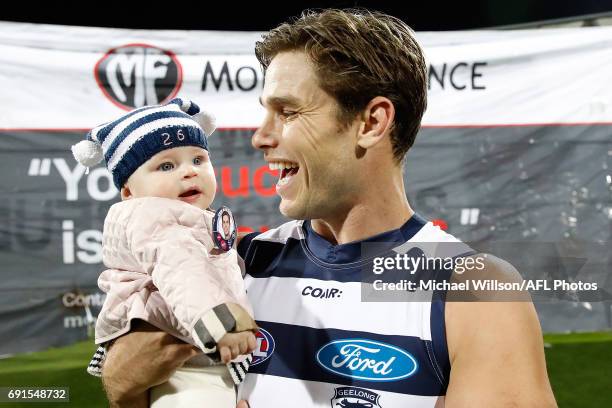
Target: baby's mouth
(190,192)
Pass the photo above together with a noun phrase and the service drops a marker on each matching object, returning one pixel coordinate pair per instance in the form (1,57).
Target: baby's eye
(198,160)
(167,166)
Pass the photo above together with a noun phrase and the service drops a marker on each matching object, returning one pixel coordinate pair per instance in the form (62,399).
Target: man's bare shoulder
(495,345)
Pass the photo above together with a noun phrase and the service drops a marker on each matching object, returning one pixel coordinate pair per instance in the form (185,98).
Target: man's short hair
(357,55)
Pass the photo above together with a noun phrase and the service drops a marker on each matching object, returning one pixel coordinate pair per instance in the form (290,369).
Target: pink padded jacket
(161,270)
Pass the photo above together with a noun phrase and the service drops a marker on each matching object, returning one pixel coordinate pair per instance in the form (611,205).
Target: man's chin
(291,209)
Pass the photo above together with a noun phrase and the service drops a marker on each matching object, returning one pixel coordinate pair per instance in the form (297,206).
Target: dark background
(256,15)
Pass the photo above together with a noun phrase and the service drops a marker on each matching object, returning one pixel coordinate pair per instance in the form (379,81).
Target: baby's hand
(233,345)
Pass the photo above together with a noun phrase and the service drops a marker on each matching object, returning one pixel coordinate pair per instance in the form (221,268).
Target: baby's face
(182,173)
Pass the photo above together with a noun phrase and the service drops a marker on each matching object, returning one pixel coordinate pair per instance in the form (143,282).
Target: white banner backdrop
(78,77)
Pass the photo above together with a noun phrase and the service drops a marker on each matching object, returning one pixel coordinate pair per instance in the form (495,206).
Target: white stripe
(281,234)
(345,310)
(96,372)
(136,135)
(94,133)
(272,391)
(465,216)
(235,371)
(186,105)
(120,127)
(235,378)
(474,212)
(434,242)
(290,306)
(214,325)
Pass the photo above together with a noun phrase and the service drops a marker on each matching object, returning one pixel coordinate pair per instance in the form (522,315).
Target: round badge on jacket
(224,229)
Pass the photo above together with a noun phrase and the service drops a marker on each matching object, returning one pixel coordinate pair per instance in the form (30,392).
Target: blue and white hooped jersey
(320,345)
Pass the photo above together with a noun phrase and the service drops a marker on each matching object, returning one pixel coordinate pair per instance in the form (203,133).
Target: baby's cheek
(164,189)
(210,183)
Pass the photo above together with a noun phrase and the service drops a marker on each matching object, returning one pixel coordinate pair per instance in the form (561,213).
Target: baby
(159,246)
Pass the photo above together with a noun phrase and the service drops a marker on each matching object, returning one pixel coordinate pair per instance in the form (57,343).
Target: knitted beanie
(128,142)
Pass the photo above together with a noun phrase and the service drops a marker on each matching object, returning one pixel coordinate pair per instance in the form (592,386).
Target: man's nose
(266,136)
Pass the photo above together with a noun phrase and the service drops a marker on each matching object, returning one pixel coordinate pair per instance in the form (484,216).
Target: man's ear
(377,120)
(126,194)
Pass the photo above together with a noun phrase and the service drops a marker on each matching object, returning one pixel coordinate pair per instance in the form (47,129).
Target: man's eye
(167,166)
(287,114)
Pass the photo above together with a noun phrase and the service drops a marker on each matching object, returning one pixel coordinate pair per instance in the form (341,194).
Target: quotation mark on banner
(39,167)
(469,216)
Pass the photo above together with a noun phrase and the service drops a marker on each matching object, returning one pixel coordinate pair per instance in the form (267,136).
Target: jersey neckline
(350,252)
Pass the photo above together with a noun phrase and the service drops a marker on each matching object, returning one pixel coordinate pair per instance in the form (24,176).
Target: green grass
(60,367)
(580,369)
(579,366)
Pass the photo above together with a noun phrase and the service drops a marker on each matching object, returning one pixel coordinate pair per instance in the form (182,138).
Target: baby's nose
(190,171)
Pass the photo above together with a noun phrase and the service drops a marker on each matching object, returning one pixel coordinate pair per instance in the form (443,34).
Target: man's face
(301,136)
(225,221)
(182,173)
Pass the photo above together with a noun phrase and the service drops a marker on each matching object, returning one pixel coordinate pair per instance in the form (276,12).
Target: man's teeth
(283,180)
(281,165)
(285,169)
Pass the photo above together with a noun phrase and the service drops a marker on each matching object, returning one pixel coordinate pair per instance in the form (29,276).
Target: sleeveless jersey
(320,345)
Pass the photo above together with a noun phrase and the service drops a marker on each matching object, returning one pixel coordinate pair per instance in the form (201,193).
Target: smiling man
(225,222)
(344,95)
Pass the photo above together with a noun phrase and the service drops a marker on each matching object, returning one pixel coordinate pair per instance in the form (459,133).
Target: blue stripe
(193,107)
(331,253)
(106,128)
(266,259)
(438,339)
(245,243)
(144,150)
(138,123)
(296,348)
(317,258)
(437,325)
(177,101)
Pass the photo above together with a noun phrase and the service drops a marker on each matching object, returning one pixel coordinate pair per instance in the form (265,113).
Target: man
(344,95)
(225,222)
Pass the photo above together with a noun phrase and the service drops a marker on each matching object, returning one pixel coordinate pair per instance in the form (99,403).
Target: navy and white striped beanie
(128,142)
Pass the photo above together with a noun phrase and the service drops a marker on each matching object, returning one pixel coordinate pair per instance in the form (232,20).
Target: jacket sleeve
(203,290)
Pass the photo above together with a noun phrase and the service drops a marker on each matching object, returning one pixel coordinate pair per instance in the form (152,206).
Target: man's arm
(139,360)
(496,351)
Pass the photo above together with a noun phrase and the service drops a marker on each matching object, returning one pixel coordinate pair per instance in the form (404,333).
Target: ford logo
(366,360)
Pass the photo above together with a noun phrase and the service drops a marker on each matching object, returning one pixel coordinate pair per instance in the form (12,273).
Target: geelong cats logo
(353,397)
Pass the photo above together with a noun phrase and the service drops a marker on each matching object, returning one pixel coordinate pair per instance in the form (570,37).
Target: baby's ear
(126,194)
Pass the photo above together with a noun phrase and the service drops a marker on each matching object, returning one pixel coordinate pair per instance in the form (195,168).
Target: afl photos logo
(136,75)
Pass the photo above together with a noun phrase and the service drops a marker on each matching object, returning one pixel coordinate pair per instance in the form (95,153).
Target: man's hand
(139,360)
(233,345)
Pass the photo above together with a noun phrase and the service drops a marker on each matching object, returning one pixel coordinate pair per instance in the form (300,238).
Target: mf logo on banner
(136,75)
